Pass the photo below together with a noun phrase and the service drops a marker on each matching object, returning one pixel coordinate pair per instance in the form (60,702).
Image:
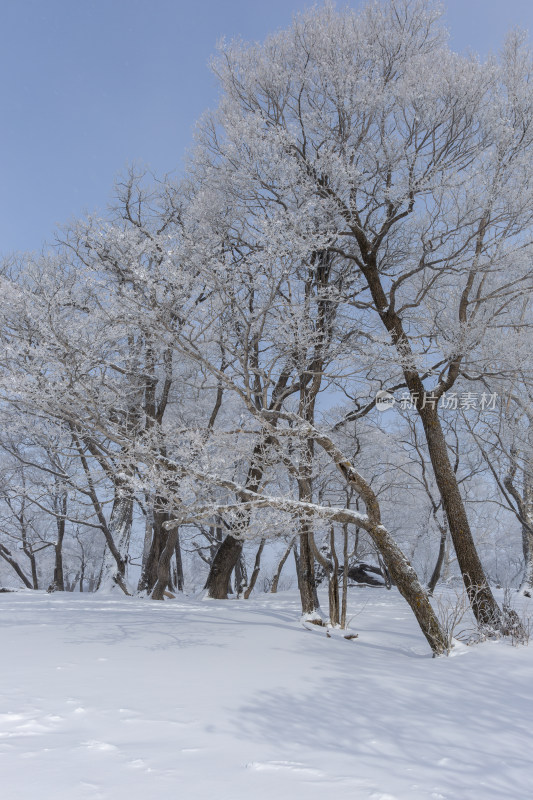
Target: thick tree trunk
(157,516)
(484,606)
(119,529)
(163,567)
(405,578)
(306,577)
(482,600)
(223,565)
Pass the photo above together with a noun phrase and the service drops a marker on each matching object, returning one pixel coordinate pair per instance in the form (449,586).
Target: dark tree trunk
(333,583)
(229,552)
(345,557)
(482,600)
(163,567)
(296,561)
(527,512)
(58,581)
(6,555)
(117,535)
(306,577)
(223,565)
(256,570)
(484,606)
(405,578)
(275,581)
(435,577)
(149,574)
(179,565)
(28,552)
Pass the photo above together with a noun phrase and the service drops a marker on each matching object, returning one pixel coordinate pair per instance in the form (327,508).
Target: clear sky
(88,86)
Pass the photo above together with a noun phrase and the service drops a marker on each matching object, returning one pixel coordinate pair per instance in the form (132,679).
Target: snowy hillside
(122,699)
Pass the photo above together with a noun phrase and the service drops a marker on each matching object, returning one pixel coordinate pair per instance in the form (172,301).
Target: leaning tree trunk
(257,568)
(406,580)
(482,600)
(484,606)
(435,576)
(275,581)
(6,555)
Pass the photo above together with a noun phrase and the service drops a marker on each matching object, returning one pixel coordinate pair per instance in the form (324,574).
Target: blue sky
(88,86)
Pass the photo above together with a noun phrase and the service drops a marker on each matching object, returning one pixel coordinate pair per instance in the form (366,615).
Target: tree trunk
(484,606)
(345,556)
(114,571)
(306,581)
(333,583)
(256,570)
(306,563)
(6,555)
(482,600)
(157,516)
(163,567)
(28,552)
(405,578)
(223,565)
(440,561)
(296,561)
(58,582)
(275,582)
(180,583)
(527,512)
(241,578)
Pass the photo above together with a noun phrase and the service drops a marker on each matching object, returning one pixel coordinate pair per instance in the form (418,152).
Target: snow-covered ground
(123,699)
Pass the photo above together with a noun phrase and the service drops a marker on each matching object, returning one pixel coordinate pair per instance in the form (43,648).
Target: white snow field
(108,698)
